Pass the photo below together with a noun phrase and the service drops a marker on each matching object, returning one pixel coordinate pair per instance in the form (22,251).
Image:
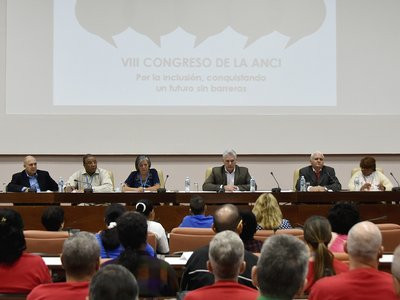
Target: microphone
(221,189)
(396,188)
(89,189)
(162,189)
(278,189)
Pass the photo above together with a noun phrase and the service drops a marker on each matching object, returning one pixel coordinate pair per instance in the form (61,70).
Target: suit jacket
(327,178)
(20,180)
(218,177)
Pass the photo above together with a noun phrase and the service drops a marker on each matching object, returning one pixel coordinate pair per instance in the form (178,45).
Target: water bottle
(357,184)
(303,184)
(187,184)
(60,185)
(252,185)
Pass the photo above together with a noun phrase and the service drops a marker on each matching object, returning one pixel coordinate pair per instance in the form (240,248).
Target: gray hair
(396,263)
(282,266)
(315,153)
(113,282)
(81,253)
(226,253)
(364,241)
(229,152)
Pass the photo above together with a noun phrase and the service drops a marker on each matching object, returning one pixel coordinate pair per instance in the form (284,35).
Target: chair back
(45,242)
(262,235)
(296,175)
(390,236)
(189,239)
(208,172)
(111,174)
(161,177)
(151,240)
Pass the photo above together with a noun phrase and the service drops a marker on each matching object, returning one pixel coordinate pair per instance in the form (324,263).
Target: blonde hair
(267,211)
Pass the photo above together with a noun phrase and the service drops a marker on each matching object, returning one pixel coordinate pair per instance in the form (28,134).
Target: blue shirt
(135,180)
(197,221)
(33,182)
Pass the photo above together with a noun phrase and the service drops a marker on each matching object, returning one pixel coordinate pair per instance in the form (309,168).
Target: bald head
(30,165)
(226,217)
(364,242)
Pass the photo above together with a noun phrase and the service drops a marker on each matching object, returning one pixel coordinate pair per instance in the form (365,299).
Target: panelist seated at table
(144,178)
(229,177)
(31,179)
(368,178)
(321,178)
(90,177)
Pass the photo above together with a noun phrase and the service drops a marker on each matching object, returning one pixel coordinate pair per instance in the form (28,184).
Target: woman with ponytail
(317,234)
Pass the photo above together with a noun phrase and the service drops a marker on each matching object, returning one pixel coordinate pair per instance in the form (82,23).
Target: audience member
(144,178)
(342,216)
(317,234)
(113,282)
(20,272)
(31,179)
(321,178)
(146,208)
(268,214)
(249,229)
(282,267)
(110,246)
(196,275)
(197,219)
(368,178)
(396,270)
(155,277)
(80,259)
(363,281)
(228,177)
(53,218)
(90,178)
(226,262)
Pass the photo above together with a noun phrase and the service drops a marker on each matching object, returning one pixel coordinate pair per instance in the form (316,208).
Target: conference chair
(151,239)
(208,172)
(111,174)
(390,236)
(189,239)
(45,242)
(262,235)
(161,177)
(295,178)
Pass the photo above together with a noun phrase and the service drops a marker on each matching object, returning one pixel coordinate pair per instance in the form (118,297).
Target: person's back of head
(80,256)
(227,217)
(53,218)
(267,211)
(226,254)
(145,207)
(317,234)
(282,267)
(249,225)
(12,240)
(109,237)
(197,205)
(364,243)
(343,216)
(396,270)
(113,282)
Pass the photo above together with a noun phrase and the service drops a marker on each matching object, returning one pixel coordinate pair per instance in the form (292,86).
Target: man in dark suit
(228,177)
(321,178)
(31,179)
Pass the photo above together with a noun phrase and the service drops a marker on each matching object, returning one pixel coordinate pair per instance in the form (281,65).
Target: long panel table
(171,207)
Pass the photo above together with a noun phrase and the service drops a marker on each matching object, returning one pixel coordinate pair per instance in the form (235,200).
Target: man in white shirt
(91,177)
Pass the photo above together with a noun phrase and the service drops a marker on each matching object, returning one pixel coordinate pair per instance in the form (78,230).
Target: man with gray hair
(113,282)
(229,177)
(80,259)
(282,267)
(396,270)
(320,178)
(363,281)
(226,254)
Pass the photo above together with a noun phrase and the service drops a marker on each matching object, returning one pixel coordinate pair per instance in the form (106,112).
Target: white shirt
(100,181)
(375,178)
(161,237)
(230,177)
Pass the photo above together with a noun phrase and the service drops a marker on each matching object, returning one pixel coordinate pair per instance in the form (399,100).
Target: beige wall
(178,167)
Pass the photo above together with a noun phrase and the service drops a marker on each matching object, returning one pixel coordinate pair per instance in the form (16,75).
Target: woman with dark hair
(342,216)
(144,178)
(249,229)
(155,277)
(317,234)
(20,272)
(146,208)
(110,246)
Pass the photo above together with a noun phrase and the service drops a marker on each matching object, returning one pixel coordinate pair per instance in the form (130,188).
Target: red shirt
(338,266)
(60,291)
(223,290)
(24,274)
(357,284)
